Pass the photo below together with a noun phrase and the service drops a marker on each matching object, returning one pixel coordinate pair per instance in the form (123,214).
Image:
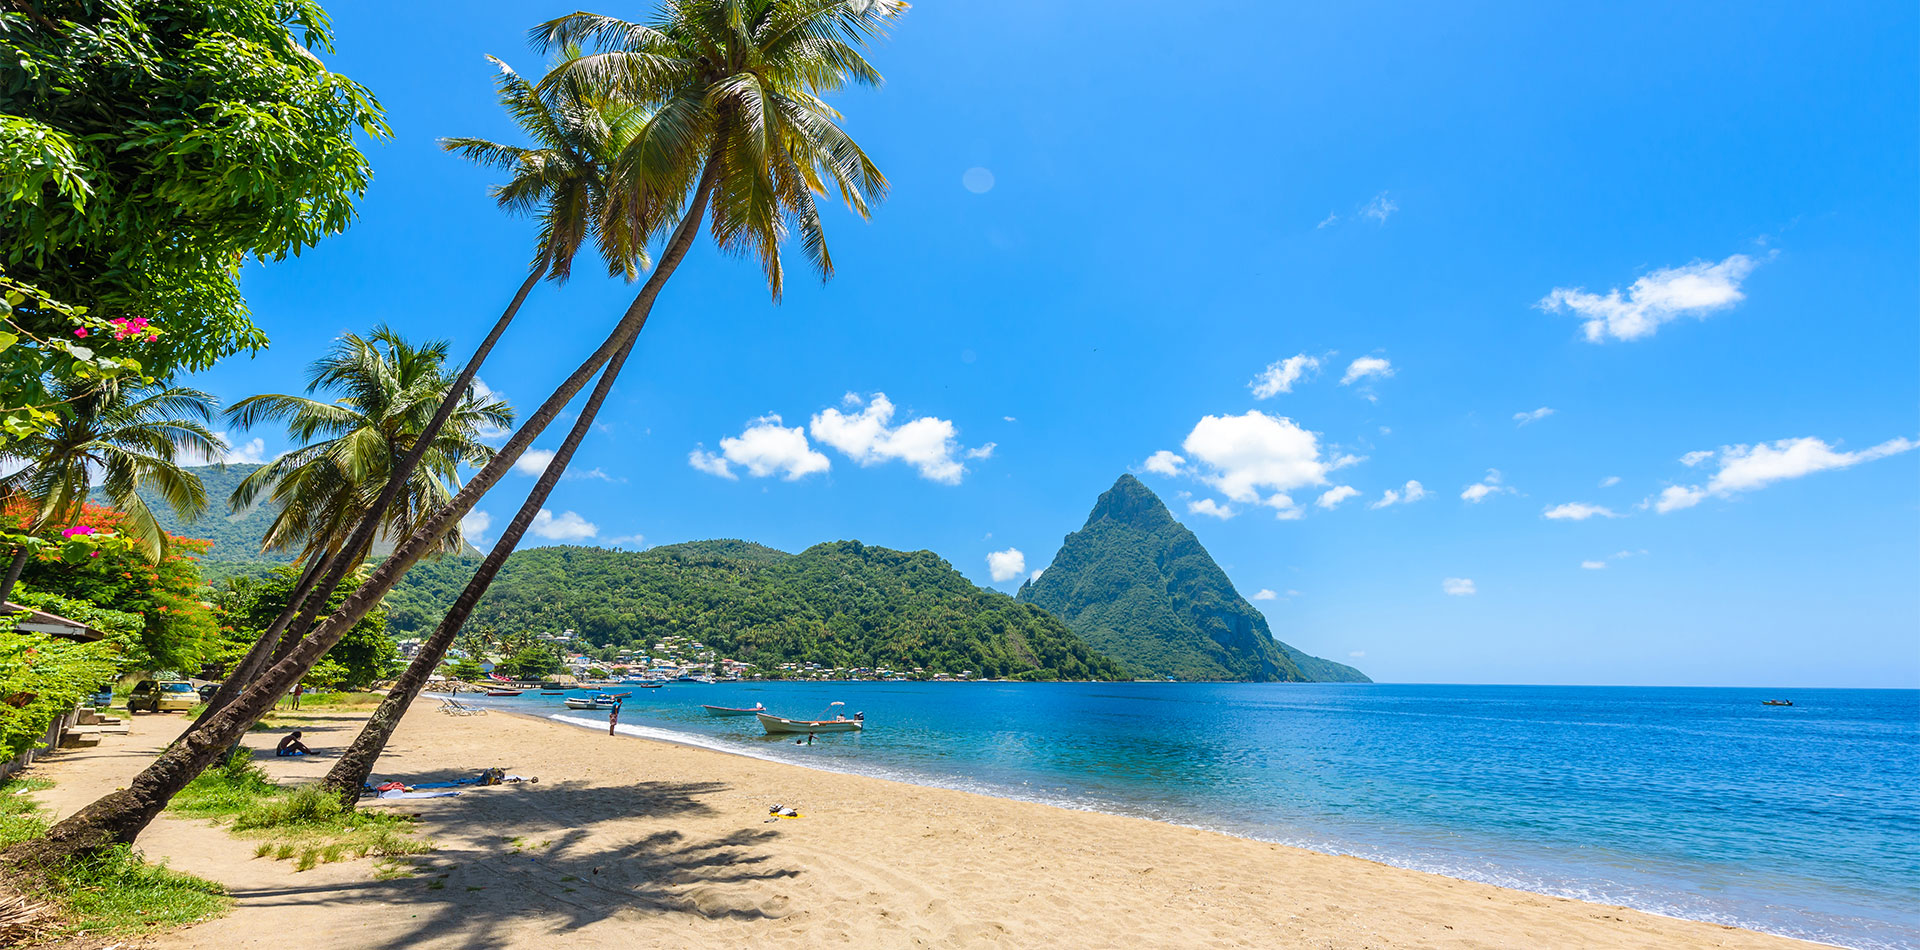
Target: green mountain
(236,535)
(842,603)
(1141,589)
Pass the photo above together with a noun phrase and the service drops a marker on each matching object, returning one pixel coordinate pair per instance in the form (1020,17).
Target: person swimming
(291,745)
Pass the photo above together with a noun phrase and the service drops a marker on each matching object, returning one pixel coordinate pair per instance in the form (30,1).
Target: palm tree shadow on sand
(503,845)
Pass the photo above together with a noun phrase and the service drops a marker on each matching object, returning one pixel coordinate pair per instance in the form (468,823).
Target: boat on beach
(1776,702)
(733,710)
(777,724)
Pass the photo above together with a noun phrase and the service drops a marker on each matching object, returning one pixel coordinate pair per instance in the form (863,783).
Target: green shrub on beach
(307,824)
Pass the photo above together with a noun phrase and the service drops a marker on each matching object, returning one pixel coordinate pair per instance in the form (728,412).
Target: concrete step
(79,740)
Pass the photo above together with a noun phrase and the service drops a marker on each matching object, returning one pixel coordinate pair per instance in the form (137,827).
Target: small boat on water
(1776,702)
(777,725)
(597,701)
(649,685)
(504,692)
(553,692)
(733,710)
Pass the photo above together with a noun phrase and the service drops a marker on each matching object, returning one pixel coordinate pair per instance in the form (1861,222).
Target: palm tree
(388,390)
(730,89)
(128,438)
(733,124)
(559,180)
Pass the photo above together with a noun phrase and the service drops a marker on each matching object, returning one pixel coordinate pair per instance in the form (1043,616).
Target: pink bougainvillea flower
(94,554)
(76,530)
(82,332)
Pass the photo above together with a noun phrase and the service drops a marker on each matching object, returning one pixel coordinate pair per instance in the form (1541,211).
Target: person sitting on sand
(291,745)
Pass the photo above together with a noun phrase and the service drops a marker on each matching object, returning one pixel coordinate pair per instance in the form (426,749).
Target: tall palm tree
(387,390)
(560,179)
(734,124)
(731,94)
(127,438)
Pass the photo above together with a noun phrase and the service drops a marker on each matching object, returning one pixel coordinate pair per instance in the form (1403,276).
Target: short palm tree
(124,438)
(733,124)
(385,392)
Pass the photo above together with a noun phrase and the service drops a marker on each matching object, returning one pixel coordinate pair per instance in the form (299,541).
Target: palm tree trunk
(15,565)
(318,585)
(349,774)
(120,816)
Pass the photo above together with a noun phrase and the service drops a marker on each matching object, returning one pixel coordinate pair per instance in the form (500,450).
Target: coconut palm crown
(386,391)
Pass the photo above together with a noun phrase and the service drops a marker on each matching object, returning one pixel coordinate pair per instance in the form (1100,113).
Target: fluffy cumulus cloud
(1744,468)
(1407,495)
(1266,594)
(765,447)
(1695,290)
(1365,367)
(474,524)
(865,433)
(1007,565)
(1332,497)
(565,526)
(1522,418)
(1578,511)
(533,461)
(1379,209)
(1490,485)
(1211,508)
(1458,586)
(1279,377)
(1164,462)
(1256,459)
(251,452)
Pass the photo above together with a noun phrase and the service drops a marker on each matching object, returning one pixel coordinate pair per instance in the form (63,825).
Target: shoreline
(661,844)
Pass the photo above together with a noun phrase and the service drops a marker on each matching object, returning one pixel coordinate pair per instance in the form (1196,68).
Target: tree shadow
(505,860)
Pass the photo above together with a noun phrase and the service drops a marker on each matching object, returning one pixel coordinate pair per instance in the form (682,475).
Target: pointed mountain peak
(1129,501)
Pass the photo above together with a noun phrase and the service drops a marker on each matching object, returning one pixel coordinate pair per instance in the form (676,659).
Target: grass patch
(306,825)
(336,701)
(112,892)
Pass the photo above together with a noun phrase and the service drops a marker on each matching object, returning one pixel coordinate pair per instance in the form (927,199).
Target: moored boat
(733,710)
(504,692)
(777,724)
(598,701)
(1776,702)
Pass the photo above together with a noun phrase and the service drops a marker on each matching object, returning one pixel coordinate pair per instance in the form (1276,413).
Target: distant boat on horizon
(1776,702)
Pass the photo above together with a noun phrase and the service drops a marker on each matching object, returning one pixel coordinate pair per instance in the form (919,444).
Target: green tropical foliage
(147,146)
(837,604)
(1141,588)
(176,629)
(129,438)
(42,678)
(245,606)
(386,391)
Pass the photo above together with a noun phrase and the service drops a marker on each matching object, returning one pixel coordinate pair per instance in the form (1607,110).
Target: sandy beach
(626,842)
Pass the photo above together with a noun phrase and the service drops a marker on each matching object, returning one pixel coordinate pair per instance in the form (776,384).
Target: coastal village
(683,658)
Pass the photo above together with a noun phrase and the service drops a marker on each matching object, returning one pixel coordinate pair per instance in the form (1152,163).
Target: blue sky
(1681,229)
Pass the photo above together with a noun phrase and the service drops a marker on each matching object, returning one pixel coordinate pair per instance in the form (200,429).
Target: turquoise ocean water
(1697,803)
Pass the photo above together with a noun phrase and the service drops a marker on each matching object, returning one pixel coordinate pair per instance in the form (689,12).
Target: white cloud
(977,180)
(1293,593)
(765,447)
(1458,586)
(1594,565)
(1610,481)
(1753,467)
(474,524)
(1490,485)
(251,452)
(1008,419)
(566,526)
(1211,508)
(983,452)
(1332,497)
(1357,654)
(1266,594)
(1522,418)
(591,474)
(1279,377)
(1379,208)
(1696,289)
(483,393)
(1246,454)
(1036,574)
(1364,367)
(533,461)
(1326,221)
(1578,511)
(1006,565)
(867,437)
(1413,492)
(1164,462)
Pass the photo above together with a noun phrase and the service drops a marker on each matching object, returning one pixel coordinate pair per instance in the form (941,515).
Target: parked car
(102,698)
(207,691)
(162,696)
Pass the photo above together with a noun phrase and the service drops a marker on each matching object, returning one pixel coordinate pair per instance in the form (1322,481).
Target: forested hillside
(840,604)
(1141,588)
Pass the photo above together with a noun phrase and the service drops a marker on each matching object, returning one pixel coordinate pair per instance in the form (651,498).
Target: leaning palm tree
(734,126)
(560,179)
(127,438)
(386,390)
(730,90)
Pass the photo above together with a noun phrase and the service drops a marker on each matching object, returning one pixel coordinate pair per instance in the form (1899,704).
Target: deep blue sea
(1698,803)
